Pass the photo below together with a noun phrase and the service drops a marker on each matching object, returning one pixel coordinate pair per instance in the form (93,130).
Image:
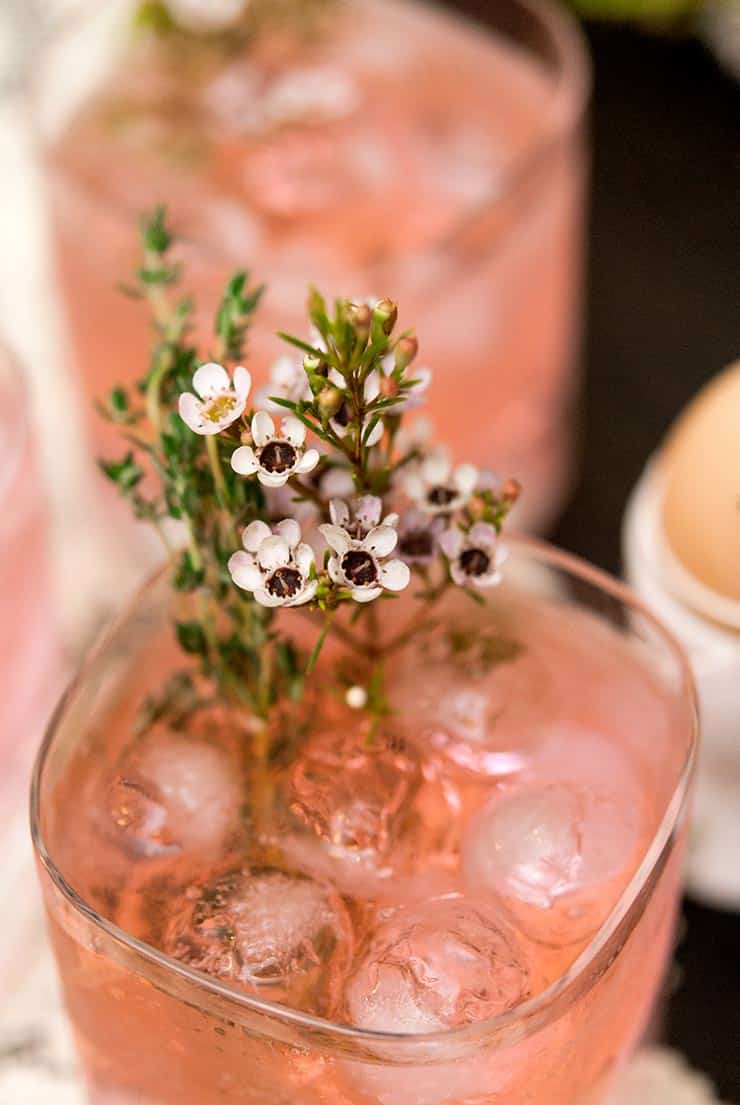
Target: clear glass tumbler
(601,700)
(397,150)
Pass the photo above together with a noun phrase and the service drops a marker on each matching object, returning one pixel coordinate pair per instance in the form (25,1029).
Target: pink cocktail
(473,902)
(400,149)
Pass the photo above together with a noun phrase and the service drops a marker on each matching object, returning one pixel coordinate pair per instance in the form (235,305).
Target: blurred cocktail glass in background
(30,665)
(28,643)
(383,146)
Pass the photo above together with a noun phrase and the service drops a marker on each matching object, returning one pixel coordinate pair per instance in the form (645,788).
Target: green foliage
(174,702)
(653,12)
(192,638)
(125,473)
(360,375)
(174,464)
(187,577)
(235,311)
(153,15)
(156,235)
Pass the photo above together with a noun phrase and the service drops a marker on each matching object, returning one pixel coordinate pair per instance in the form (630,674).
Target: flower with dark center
(418,536)
(365,514)
(218,402)
(359,568)
(441,496)
(360,555)
(416,545)
(437,488)
(275,565)
(475,556)
(275,456)
(278,456)
(475,562)
(284,583)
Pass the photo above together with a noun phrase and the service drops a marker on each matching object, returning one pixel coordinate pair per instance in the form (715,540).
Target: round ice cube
(437,966)
(427,969)
(566,844)
(354,794)
(175,793)
(479,699)
(530,845)
(285,935)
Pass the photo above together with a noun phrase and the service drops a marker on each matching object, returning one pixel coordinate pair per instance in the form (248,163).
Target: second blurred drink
(383,146)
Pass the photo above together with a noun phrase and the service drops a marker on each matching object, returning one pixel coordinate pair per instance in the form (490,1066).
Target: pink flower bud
(406,351)
(329,400)
(387,312)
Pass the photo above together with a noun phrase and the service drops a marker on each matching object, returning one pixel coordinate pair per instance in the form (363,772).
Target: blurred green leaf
(642,11)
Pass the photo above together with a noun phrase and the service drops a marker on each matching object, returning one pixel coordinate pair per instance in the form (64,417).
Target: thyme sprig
(224,486)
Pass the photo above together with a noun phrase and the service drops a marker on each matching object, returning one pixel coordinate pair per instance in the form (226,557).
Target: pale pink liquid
(385,852)
(417,181)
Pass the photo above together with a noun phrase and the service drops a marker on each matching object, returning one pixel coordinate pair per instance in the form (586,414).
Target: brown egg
(701,468)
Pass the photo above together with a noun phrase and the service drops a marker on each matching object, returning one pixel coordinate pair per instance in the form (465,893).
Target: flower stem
(222,491)
(265,686)
(218,473)
(421,623)
(195,556)
(306,492)
(316,651)
(153,398)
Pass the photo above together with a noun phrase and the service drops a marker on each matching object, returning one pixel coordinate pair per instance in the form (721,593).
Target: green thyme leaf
(126,473)
(192,639)
(187,577)
(156,235)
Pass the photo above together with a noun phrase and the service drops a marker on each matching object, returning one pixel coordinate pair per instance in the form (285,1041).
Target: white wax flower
(275,456)
(437,488)
(275,565)
(365,515)
(219,402)
(475,557)
(288,380)
(207,15)
(360,559)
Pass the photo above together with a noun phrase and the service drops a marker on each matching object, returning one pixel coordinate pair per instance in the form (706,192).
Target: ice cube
(437,966)
(432,968)
(485,725)
(354,793)
(529,845)
(297,173)
(286,936)
(556,852)
(479,697)
(175,793)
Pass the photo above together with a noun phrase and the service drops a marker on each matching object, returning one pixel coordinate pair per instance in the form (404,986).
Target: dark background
(663,316)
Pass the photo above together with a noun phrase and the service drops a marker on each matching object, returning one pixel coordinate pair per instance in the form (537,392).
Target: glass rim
(566,110)
(510,1026)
